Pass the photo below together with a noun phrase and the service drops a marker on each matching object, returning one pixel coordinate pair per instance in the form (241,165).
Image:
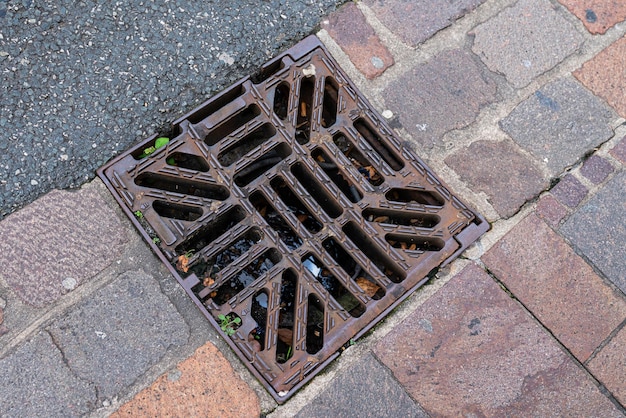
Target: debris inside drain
(291,214)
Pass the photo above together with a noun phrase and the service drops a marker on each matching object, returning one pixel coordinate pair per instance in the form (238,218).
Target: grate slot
(281,100)
(258,311)
(183,186)
(371,250)
(415,196)
(305,110)
(275,221)
(333,286)
(176,211)
(321,196)
(188,161)
(362,164)
(329,107)
(415,219)
(337,176)
(414,242)
(231,124)
(286,316)
(212,230)
(246,144)
(377,143)
(294,204)
(314,325)
(216,104)
(262,164)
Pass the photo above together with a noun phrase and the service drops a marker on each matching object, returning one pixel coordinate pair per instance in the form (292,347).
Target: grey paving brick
(36,382)
(559,123)
(367,389)
(56,243)
(113,337)
(525,41)
(598,229)
(417,20)
(444,94)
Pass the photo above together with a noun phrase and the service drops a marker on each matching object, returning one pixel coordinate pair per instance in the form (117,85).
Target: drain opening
(314,325)
(295,205)
(414,196)
(321,196)
(275,221)
(232,123)
(212,230)
(414,242)
(337,177)
(333,286)
(176,211)
(286,315)
(258,311)
(267,71)
(353,269)
(305,110)
(329,107)
(371,250)
(377,143)
(358,160)
(216,104)
(262,164)
(188,161)
(419,220)
(209,269)
(242,279)
(246,144)
(281,100)
(182,186)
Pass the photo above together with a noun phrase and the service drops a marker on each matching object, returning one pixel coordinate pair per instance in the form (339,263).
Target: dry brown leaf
(182,263)
(403,245)
(381,219)
(368,287)
(413,247)
(302,217)
(208,281)
(285,335)
(303,109)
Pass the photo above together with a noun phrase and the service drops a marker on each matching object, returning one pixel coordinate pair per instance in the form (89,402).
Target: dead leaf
(213,294)
(285,335)
(381,219)
(303,109)
(182,263)
(208,281)
(302,218)
(403,245)
(413,247)
(368,287)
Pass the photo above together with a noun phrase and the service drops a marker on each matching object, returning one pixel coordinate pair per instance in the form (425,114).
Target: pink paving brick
(605,75)
(609,366)
(619,151)
(597,15)
(356,37)
(471,350)
(557,286)
(550,210)
(569,191)
(596,169)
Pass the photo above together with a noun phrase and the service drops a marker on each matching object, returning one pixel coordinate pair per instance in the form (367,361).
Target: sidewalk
(519,106)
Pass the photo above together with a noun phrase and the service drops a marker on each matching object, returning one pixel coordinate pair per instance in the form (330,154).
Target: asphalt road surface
(80,81)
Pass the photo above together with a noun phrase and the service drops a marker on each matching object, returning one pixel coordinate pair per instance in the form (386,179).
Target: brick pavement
(519,105)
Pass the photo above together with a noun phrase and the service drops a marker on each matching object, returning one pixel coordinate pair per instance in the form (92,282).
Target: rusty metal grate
(291,214)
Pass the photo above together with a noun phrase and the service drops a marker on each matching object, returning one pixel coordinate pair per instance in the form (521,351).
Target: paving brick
(596,169)
(525,41)
(499,170)
(569,191)
(560,123)
(598,229)
(118,333)
(36,382)
(557,286)
(444,94)
(597,15)
(204,385)
(619,151)
(356,37)
(57,242)
(609,366)
(416,21)
(605,74)
(471,350)
(367,389)
(550,210)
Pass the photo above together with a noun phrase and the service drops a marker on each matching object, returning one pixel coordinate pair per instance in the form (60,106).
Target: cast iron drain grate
(291,214)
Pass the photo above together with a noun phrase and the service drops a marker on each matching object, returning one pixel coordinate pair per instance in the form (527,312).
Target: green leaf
(237,321)
(161,142)
(171,161)
(221,317)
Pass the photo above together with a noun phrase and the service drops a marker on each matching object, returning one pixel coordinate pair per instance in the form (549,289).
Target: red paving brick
(550,210)
(597,15)
(471,350)
(356,37)
(619,151)
(507,176)
(203,385)
(557,286)
(609,366)
(569,191)
(596,169)
(605,75)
